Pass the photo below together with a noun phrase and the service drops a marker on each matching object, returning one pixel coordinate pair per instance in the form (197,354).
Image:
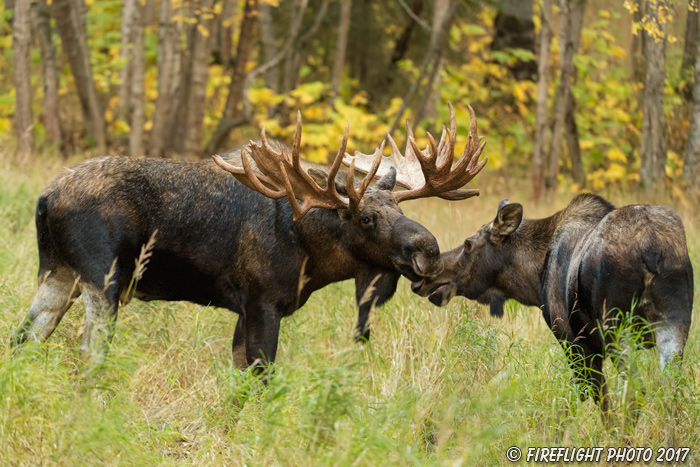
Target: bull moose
(236,243)
(585,266)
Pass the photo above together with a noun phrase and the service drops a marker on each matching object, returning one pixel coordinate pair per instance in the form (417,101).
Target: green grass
(436,386)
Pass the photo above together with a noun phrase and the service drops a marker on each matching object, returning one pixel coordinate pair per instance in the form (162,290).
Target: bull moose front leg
(256,337)
(373,287)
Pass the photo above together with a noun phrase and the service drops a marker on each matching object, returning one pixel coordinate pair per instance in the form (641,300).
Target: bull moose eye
(366,220)
(468,244)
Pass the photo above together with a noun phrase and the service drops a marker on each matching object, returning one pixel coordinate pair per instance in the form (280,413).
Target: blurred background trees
(572,94)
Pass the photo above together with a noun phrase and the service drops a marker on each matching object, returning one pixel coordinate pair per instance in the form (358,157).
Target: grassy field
(436,386)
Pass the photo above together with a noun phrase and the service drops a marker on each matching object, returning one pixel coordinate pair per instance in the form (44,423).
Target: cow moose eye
(468,244)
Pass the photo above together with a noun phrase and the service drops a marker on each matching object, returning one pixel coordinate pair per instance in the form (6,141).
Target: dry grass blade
(141,263)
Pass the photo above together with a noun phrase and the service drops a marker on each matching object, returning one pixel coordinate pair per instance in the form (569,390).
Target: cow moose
(585,266)
(236,243)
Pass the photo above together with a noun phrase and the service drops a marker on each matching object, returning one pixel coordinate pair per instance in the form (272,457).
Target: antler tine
(248,176)
(424,162)
(432,157)
(354,200)
(297,142)
(378,154)
(473,148)
(441,177)
(280,173)
(298,210)
(355,195)
(410,152)
(471,139)
(330,188)
(264,164)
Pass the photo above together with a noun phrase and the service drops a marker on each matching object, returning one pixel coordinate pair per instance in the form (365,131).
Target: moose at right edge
(586,266)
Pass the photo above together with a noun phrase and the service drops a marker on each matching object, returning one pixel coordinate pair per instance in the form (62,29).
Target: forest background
(590,93)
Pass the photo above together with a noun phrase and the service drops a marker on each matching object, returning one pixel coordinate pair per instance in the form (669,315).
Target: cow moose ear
(388,181)
(507,220)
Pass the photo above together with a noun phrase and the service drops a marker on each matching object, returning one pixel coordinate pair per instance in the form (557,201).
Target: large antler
(279,174)
(430,172)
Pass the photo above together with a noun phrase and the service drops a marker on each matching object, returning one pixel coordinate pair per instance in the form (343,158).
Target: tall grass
(435,386)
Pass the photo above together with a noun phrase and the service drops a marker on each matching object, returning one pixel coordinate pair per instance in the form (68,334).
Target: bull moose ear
(388,181)
(321,178)
(507,220)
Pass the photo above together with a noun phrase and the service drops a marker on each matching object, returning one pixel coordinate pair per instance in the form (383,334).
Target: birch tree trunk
(198,79)
(637,55)
(138,69)
(41,21)
(541,117)
(430,57)
(571,21)
(427,108)
(692,149)
(70,24)
(231,116)
(341,46)
(131,13)
(21,45)
(269,43)
(168,73)
(228,15)
(690,46)
(653,147)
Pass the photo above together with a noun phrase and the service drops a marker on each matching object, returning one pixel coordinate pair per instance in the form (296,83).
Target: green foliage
(435,386)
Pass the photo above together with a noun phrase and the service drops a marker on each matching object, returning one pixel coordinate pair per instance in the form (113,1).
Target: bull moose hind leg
(100,316)
(56,292)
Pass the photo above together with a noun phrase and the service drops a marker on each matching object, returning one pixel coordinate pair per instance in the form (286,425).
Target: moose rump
(634,260)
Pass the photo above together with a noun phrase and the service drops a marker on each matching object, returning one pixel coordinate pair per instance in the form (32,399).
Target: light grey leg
(56,293)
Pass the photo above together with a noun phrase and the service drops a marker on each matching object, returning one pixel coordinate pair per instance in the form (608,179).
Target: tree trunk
(514,29)
(168,72)
(572,142)
(427,108)
(430,57)
(294,61)
(228,15)
(21,45)
(198,79)
(70,23)
(690,47)
(692,150)
(341,46)
(541,118)
(42,26)
(233,101)
(571,21)
(269,43)
(138,113)
(653,147)
(637,54)
(131,13)
(401,45)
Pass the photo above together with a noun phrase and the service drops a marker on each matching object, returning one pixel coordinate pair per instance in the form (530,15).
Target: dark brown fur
(585,266)
(217,243)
